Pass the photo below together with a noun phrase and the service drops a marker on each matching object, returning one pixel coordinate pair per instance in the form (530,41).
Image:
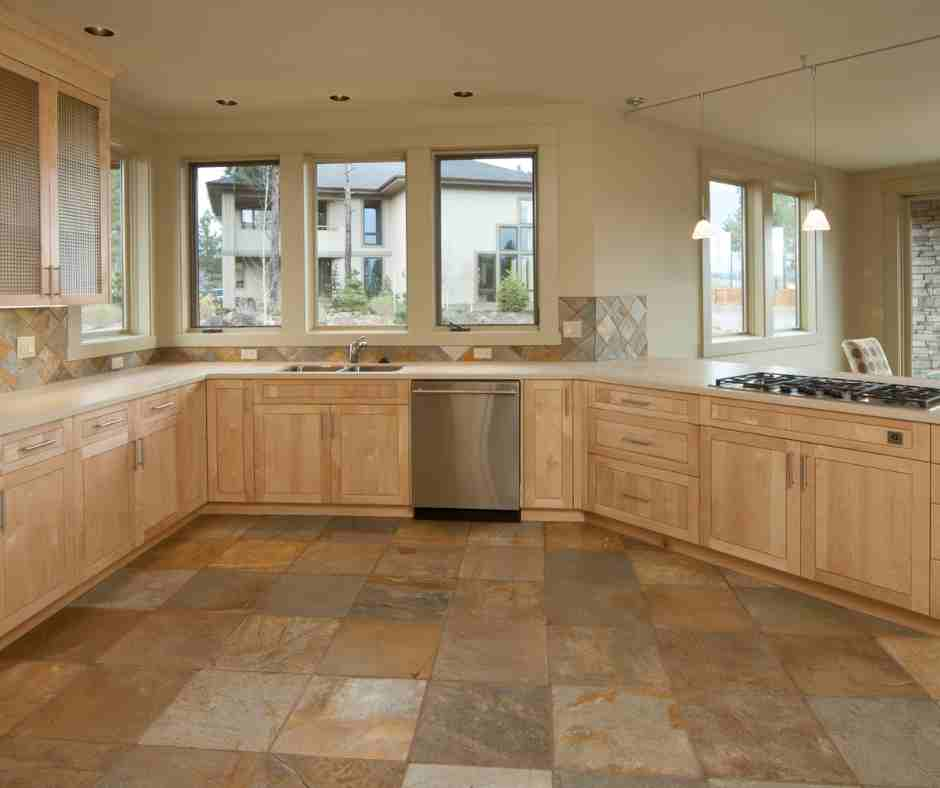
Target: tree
(209,250)
(512,295)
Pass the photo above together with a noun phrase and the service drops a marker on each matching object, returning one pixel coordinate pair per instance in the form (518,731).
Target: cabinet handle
(789,470)
(637,442)
(564,392)
(634,403)
(38,446)
(164,406)
(139,447)
(635,498)
(3,511)
(804,475)
(100,425)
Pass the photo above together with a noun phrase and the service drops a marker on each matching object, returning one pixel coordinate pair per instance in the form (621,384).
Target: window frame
(801,263)
(746,308)
(192,167)
(379,240)
(502,153)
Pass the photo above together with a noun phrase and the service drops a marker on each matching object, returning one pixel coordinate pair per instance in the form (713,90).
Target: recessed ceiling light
(98,30)
(226,102)
(635,101)
(463,93)
(339,97)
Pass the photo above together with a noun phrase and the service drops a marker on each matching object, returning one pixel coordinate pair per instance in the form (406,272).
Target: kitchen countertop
(32,407)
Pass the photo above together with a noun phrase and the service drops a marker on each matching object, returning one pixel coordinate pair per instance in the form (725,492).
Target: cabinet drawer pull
(100,425)
(789,470)
(3,511)
(139,453)
(635,498)
(164,406)
(634,403)
(38,446)
(637,442)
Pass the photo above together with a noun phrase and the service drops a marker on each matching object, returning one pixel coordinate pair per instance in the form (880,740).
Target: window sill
(110,346)
(736,345)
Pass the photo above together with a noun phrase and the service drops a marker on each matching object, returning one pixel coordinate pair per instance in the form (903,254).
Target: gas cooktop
(835,388)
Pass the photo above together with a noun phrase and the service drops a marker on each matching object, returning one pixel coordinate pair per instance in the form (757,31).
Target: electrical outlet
(117,362)
(572,329)
(249,354)
(25,347)
(483,354)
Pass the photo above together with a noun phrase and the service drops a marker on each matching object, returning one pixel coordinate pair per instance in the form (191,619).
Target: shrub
(352,298)
(512,295)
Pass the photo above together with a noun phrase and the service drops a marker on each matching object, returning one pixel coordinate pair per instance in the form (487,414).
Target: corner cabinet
(547,456)
(55,247)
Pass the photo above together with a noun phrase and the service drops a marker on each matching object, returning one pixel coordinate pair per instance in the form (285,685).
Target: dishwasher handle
(480,392)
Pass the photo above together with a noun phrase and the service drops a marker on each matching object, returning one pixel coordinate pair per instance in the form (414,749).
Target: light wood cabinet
(155,481)
(371,454)
(866,525)
(191,460)
(38,546)
(230,438)
(547,428)
(751,498)
(292,453)
(107,502)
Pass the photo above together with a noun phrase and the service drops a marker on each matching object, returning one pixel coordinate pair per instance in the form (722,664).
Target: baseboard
(304,508)
(553,515)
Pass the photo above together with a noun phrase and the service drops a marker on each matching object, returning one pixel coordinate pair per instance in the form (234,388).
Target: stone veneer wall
(613,327)
(925,286)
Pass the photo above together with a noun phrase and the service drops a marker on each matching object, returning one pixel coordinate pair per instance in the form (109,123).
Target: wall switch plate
(25,347)
(483,354)
(572,329)
(249,354)
(117,362)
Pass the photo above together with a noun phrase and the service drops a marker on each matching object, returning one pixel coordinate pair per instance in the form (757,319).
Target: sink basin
(374,368)
(314,368)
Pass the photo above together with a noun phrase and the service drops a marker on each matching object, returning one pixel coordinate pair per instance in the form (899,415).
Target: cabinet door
(547,439)
(371,454)
(751,498)
(866,525)
(107,472)
(155,482)
(39,550)
(230,438)
(292,453)
(191,448)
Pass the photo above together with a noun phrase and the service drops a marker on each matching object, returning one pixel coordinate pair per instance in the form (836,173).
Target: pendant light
(816,220)
(703,227)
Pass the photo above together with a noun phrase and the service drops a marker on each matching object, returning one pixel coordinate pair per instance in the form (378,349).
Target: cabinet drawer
(662,444)
(102,424)
(33,445)
(662,501)
(935,532)
(155,411)
(328,391)
(882,436)
(643,402)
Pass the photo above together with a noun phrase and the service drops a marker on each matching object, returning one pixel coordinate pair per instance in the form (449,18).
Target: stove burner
(835,388)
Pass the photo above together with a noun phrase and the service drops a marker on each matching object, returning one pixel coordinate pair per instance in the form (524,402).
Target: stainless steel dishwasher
(465,448)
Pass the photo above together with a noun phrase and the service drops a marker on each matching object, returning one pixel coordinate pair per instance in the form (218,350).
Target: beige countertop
(31,407)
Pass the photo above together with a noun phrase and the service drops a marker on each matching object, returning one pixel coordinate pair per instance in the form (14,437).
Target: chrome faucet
(353,349)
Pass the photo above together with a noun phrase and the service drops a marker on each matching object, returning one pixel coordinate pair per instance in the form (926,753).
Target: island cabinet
(547,435)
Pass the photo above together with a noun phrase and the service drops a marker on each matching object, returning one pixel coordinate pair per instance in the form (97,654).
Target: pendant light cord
(701,142)
(812,71)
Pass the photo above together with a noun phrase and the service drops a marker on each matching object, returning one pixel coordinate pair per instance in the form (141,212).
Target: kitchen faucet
(353,349)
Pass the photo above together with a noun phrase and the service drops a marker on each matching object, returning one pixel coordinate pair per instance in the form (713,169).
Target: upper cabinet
(55,222)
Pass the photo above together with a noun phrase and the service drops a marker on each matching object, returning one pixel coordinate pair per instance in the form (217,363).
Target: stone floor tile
(443,533)
(721,661)
(485,725)
(574,603)
(289,528)
(493,650)
(374,719)
(49,758)
(585,780)
(507,534)
(146,767)
(222,589)
(918,656)
(886,741)
(590,568)
(381,647)
(295,771)
(770,736)
(855,666)
(312,596)
(276,644)
(29,776)
(484,562)
(174,639)
(404,599)
(579,536)
(133,589)
(226,527)
(259,555)
(738,580)
(338,558)
(177,553)
(627,656)
(610,730)
(717,783)
(658,567)
(785,612)
(26,686)
(362,530)
(107,703)
(225,710)
(422,775)
(498,600)
(697,608)
(421,561)
(75,634)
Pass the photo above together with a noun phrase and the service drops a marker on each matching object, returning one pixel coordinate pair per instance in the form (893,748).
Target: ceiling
(282,59)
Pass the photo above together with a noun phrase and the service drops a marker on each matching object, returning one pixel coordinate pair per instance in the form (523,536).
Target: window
(372,223)
(100,320)
(486,239)
(727,258)
(785,262)
(355,285)
(236,276)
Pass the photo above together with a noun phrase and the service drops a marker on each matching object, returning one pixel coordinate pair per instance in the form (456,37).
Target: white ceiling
(284,57)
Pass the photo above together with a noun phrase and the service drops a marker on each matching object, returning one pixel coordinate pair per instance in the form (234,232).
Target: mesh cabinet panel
(79,172)
(20,224)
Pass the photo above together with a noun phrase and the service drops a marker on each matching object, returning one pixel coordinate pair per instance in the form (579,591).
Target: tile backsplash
(612,327)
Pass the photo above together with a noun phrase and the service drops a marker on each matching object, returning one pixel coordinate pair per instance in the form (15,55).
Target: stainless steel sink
(314,368)
(373,368)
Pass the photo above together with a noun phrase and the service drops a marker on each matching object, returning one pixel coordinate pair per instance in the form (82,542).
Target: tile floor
(305,652)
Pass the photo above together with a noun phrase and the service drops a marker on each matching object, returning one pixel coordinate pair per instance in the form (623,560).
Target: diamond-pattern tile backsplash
(612,328)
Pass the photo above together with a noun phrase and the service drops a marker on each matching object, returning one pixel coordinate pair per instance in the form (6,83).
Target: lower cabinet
(371,454)
(547,444)
(191,454)
(292,453)
(229,438)
(155,482)
(39,554)
(107,495)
